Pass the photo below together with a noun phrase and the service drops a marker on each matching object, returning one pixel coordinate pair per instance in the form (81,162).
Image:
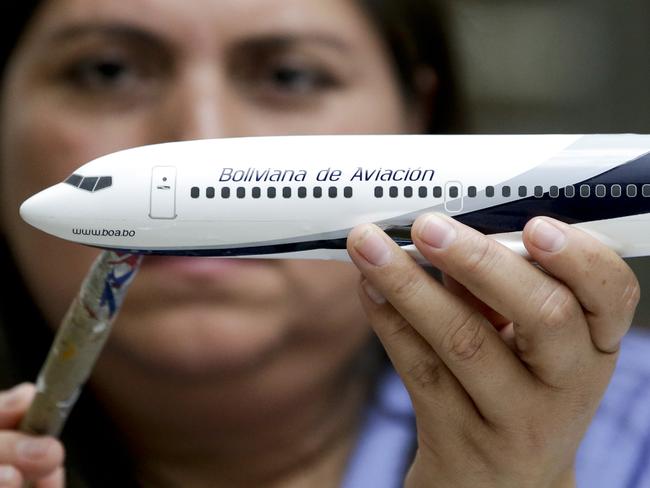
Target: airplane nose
(40,210)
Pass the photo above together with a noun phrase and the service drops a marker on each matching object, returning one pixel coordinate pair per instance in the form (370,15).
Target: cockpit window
(74,180)
(90,183)
(104,182)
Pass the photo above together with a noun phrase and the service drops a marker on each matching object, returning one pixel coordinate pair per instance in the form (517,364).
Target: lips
(173,281)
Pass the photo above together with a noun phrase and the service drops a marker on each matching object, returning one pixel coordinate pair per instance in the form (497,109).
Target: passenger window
(302,192)
(422,192)
(453,192)
(89,183)
(318,192)
(333,192)
(241,192)
(471,191)
(631,191)
(393,191)
(489,191)
(225,192)
(347,192)
(523,191)
(645,191)
(585,191)
(195,192)
(569,191)
(554,191)
(616,191)
(209,192)
(408,192)
(104,182)
(286,192)
(437,192)
(601,191)
(539,191)
(505,191)
(257,192)
(379,192)
(271,192)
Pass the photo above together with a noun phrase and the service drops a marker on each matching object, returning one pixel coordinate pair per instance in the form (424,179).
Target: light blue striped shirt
(615,452)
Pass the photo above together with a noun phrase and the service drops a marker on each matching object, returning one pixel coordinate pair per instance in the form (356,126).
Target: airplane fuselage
(299,196)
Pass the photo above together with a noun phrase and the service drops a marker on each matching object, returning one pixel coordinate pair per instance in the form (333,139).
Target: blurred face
(95,76)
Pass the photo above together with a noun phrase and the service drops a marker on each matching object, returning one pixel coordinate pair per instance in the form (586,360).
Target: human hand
(505,365)
(24,457)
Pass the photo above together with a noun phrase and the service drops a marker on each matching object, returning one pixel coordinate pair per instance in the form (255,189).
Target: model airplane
(299,196)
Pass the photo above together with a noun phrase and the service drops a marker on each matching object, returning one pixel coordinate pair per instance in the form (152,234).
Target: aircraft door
(163,192)
(453,196)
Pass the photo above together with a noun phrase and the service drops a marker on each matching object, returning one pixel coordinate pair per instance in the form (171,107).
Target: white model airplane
(299,196)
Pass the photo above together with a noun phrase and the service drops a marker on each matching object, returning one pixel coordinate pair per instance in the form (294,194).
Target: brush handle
(79,341)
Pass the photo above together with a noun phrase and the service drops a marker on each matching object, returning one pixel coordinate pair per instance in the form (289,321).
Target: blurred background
(556,66)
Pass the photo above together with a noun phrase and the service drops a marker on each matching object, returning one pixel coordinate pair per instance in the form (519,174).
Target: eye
(286,73)
(300,79)
(97,73)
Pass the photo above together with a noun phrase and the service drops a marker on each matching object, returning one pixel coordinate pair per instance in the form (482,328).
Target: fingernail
(373,293)
(373,247)
(12,398)
(437,232)
(547,237)
(7,474)
(33,449)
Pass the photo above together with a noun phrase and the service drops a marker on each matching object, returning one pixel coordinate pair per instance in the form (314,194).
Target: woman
(257,373)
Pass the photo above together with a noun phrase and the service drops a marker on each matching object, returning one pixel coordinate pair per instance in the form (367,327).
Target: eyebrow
(273,41)
(118,30)
(256,41)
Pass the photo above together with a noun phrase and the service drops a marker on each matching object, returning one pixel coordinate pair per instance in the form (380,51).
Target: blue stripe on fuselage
(248,251)
(512,216)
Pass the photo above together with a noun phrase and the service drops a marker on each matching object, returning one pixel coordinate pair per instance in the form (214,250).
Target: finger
(10,477)
(429,382)
(54,480)
(462,338)
(494,317)
(551,332)
(34,457)
(13,404)
(507,334)
(604,284)
(502,324)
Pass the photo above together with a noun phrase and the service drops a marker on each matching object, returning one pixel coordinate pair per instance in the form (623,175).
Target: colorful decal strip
(121,270)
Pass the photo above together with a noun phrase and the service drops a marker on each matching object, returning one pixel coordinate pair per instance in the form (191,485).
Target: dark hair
(14,18)
(416,35)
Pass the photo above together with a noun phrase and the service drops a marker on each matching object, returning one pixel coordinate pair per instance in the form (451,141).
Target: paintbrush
(79,341)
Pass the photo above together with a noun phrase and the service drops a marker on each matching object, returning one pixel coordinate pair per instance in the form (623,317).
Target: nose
(199,105)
